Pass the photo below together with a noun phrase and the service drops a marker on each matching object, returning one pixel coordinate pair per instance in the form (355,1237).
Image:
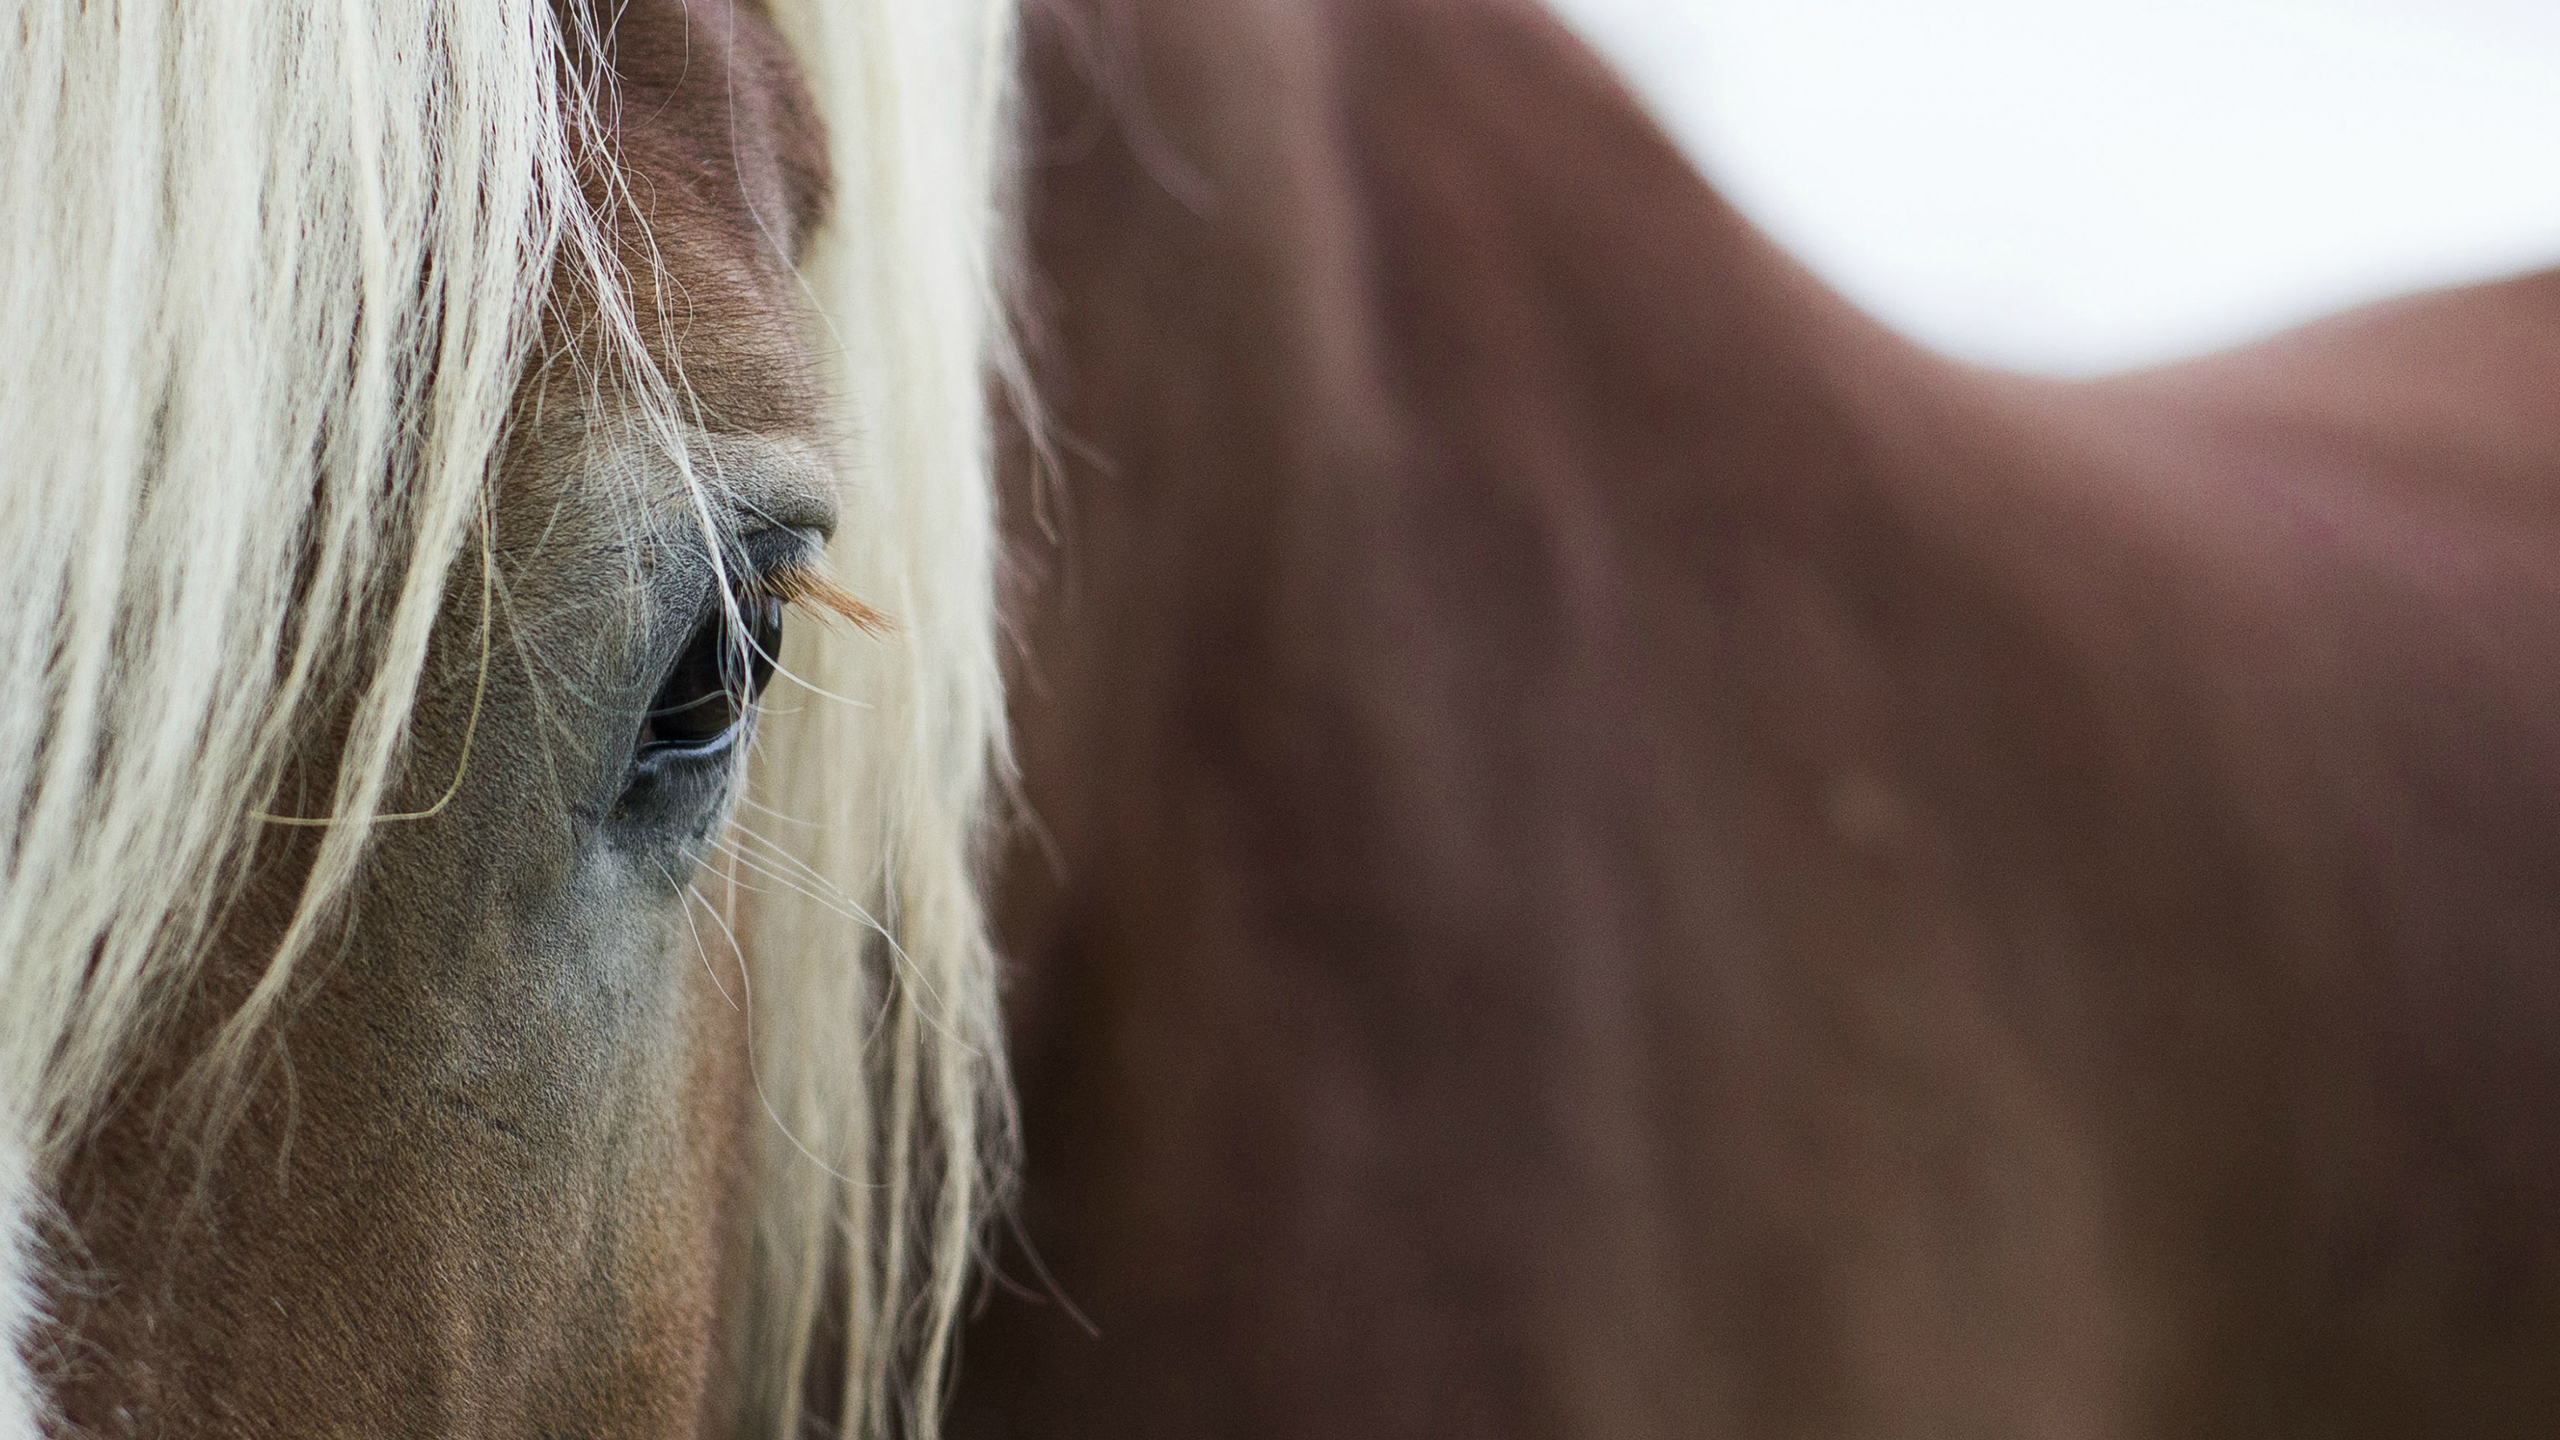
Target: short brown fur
(1619,853)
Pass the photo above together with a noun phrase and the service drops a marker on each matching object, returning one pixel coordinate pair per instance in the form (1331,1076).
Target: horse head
(470,973)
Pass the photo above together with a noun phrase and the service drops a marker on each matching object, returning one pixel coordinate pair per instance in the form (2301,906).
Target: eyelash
(800,583)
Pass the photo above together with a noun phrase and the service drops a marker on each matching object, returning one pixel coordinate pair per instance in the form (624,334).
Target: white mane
(914,96)
(268,277)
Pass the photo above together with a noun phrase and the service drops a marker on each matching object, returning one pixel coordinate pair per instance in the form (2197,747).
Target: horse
(439,999)
(1611,850)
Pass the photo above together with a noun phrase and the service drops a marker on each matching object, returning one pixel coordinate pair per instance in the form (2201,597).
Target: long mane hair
(269,278)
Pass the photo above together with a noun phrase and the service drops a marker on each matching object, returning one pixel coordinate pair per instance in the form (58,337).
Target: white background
(2081,185)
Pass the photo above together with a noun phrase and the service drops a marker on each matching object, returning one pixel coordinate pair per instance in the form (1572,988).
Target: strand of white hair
(914,99)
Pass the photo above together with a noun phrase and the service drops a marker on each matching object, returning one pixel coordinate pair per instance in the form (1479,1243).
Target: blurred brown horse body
(1622,854)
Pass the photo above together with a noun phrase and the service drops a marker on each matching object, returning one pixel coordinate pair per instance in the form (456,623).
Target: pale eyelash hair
(269,277)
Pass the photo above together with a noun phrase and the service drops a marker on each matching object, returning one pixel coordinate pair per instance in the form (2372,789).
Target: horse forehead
(711,92)
(723,162)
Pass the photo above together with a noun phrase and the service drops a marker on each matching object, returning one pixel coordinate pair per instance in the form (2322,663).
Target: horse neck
(1419,420)
(1399,364)
(1383,246)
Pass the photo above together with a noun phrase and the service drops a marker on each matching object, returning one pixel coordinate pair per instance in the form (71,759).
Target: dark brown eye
(716,680)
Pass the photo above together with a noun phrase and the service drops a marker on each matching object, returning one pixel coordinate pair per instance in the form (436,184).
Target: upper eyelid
(787,563)
(759,561)
(767,550)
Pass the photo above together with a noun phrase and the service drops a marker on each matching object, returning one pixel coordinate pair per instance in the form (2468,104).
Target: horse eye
(716,680)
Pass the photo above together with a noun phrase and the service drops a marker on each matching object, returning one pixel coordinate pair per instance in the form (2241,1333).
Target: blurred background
(2074,186)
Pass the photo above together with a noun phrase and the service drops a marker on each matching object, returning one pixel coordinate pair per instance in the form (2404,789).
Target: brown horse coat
(1619,853)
